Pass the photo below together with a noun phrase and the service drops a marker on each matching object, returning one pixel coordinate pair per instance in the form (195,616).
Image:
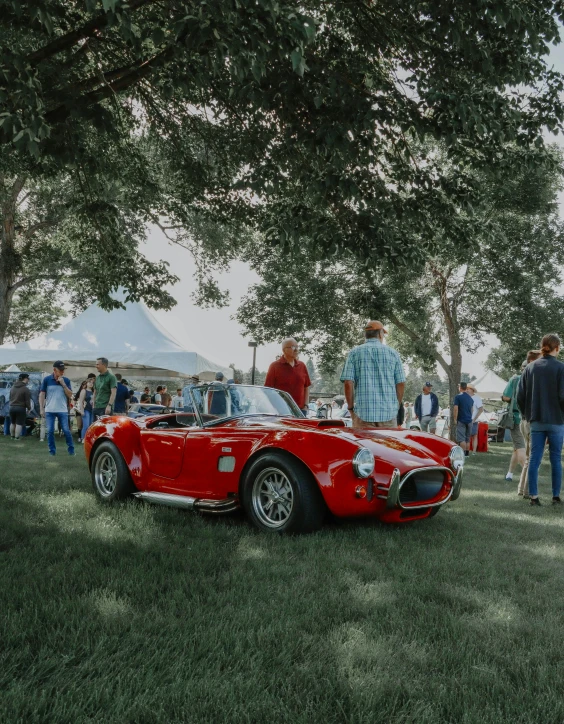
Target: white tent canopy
(131,339)
(490,385)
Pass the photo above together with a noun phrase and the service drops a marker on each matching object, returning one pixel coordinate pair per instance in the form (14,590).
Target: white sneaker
(509,476)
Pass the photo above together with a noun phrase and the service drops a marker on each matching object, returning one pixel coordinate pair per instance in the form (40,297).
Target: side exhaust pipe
(227,505)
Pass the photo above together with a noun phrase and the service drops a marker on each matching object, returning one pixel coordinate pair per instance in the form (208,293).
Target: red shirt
(291,379)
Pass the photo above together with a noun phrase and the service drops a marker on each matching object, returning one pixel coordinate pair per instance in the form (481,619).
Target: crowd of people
(374,386)
(99,394)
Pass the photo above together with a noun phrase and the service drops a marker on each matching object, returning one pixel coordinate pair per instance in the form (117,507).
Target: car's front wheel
(110,475)
(280,495)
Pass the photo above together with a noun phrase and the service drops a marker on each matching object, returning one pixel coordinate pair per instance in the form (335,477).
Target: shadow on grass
(140,613)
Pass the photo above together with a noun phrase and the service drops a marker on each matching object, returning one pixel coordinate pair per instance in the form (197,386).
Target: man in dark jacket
(427,408)
(540,397)
(20,405)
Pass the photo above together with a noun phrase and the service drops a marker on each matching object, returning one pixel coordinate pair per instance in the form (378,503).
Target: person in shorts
(20,404)
(518,456)
(523,487)
(462,411)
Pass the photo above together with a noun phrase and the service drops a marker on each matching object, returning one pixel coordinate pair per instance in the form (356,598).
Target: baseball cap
(59,364)
(374,325)
(428,384)
(219,375)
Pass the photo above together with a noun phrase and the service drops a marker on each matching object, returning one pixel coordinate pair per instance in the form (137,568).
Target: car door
(212,462)
(163,452)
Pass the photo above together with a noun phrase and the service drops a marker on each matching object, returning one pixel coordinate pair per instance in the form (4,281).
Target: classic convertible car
(251,447)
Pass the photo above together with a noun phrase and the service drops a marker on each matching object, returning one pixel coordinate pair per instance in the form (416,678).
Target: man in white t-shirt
(426,408)
(477,410)
(177,401)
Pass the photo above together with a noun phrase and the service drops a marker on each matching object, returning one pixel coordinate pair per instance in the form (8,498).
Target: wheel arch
(96,445)
(268,449)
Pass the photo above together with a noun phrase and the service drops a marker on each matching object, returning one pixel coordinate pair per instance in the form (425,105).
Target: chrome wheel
(272,497)
(105,474)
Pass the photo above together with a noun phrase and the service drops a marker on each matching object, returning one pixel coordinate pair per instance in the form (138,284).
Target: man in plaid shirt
(374,380)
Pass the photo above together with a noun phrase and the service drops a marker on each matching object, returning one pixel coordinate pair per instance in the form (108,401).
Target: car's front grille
(422,486)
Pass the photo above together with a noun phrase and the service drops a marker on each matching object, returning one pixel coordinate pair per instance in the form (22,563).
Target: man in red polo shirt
(290,375)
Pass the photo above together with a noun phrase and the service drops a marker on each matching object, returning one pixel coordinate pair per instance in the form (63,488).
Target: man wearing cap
(427,408)
(188,405)
(20,405)
(105,389)
(54,398)
(290,375)
(374,380)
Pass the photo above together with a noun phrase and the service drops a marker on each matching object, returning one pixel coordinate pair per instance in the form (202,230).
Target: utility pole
(254,345)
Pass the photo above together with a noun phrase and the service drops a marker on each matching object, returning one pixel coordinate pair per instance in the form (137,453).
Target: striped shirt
(375,370)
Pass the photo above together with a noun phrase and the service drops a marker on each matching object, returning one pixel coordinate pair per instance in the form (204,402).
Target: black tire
(107,463)
(298,506)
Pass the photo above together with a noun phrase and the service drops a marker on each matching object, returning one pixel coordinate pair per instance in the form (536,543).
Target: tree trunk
(9,258)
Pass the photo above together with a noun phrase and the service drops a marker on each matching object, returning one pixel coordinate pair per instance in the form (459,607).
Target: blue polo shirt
(465,404)
(122,394)
(55,398)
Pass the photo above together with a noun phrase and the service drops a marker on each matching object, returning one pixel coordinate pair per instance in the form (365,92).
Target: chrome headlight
(363,463)
(456,458)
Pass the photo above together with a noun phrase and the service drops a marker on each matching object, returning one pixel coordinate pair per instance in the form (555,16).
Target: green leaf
(298,63)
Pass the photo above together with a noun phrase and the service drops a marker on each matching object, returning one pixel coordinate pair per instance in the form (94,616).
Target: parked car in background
(258,452)
(142,409)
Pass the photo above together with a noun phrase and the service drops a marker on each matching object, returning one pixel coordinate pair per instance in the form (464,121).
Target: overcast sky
(212,332)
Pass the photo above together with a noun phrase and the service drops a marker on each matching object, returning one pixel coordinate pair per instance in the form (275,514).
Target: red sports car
(247,446)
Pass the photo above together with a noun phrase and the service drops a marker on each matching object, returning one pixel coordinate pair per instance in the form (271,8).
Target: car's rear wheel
(280,495)
(110,475)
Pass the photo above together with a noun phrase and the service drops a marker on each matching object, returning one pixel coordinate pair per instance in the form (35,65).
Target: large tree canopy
(298,118)
(505,283)
(320,103)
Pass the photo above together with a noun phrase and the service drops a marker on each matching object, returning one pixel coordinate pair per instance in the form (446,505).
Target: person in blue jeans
(540,397)
(85,405)
(54,398)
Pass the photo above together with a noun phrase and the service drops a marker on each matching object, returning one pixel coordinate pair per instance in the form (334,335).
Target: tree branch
(122,83)
(67,41)
(19,183)
(414,337)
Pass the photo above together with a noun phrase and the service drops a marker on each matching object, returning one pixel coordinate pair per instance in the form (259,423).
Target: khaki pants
(362,424)
(524,479)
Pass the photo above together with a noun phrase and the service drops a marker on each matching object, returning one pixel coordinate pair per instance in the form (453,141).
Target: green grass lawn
(144,614)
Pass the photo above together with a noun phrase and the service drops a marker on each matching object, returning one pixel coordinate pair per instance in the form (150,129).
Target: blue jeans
(555,436)
(63,418)
(86,422)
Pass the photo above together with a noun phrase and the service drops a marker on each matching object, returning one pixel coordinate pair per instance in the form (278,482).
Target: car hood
(400,448)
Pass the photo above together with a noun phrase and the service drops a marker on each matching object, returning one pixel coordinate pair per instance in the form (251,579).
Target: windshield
(217,401)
